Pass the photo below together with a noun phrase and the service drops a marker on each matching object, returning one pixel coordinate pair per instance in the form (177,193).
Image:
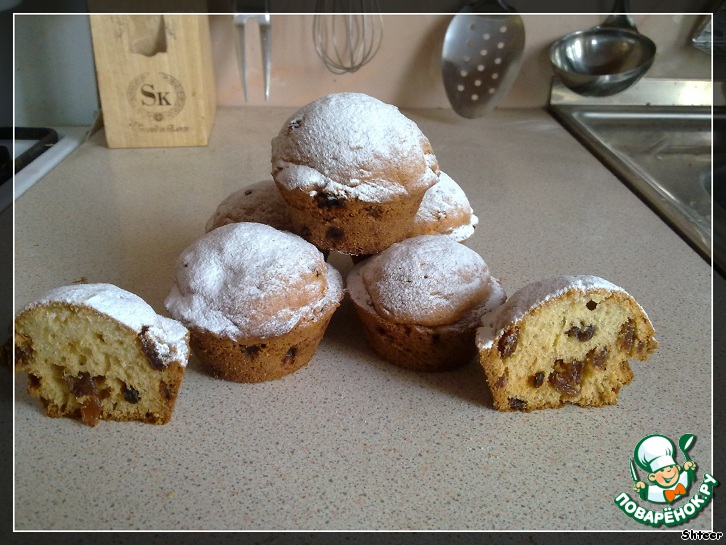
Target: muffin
(260,202)
(97,352)
(565,339)
(421,300)
(256,300)
(445,210)
(353,172)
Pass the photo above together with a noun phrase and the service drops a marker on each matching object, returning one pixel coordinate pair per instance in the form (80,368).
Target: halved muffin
(98,352)
(565,339)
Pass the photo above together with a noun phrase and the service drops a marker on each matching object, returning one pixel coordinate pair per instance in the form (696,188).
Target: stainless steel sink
(657,138)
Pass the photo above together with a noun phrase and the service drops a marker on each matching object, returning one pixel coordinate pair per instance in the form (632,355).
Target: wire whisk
(347,34)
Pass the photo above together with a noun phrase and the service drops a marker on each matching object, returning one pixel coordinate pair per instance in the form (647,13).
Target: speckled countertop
(351,442)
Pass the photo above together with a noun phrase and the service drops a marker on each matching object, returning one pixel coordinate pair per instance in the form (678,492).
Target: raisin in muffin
(353,171)
(97,352)
(256,300)
(421,301)
(565,339)
(445,210)
(260,202)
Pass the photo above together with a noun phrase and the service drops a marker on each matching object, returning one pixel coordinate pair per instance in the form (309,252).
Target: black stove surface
(44,138)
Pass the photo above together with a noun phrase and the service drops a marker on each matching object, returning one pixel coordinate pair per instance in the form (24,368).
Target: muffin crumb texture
(563,340)
(96,352)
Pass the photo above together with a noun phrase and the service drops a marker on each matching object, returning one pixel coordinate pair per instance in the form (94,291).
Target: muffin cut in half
(256,300)
(353,171)
(421,301)
(97,352)
(565,339)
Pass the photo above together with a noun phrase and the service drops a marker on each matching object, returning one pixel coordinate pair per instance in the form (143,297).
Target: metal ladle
(605,59)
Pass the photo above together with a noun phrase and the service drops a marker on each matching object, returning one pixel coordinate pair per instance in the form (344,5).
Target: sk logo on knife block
(156,95)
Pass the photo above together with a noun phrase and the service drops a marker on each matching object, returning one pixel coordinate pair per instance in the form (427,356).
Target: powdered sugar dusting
(446,209)
(249,279)
(128,309)
(348,145)
(260,202)
(470,319)
(534,295)
(426,280)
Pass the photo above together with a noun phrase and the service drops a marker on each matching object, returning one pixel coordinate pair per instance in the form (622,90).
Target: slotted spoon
(481,56)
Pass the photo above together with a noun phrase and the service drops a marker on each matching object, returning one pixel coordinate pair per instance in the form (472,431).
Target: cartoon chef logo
(667,480)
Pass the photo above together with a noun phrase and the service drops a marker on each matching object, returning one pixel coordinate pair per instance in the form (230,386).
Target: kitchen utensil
(684,443)
(347,35)
(481,56)
(605,59)
(260,12)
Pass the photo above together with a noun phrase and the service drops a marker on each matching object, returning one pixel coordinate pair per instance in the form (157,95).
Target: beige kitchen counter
(351,442)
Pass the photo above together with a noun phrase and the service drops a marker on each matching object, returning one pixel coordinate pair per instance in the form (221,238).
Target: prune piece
(517,404)
(508,342)
(566,377)
(294,124)
(501,381)
(131,394)
(581,333)
(290,356)
(251,350)
(328,201)
(91,411)
(82,385)
(538,379)
(148,347)
(597,357)
(248,192)
(626,336)
(591,305)
(335,233)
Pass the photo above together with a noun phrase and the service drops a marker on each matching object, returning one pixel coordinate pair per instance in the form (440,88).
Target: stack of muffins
(254,295)
(353,175)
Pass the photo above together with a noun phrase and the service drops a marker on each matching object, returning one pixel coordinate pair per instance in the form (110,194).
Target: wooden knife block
(155,79)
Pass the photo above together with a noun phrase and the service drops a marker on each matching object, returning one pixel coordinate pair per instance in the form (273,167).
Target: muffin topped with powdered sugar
(353,171)
(256,300)
(421,300)
(445,210)
(260,202)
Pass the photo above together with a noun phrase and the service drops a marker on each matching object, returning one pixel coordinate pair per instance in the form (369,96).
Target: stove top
(36,151)
(30,143)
